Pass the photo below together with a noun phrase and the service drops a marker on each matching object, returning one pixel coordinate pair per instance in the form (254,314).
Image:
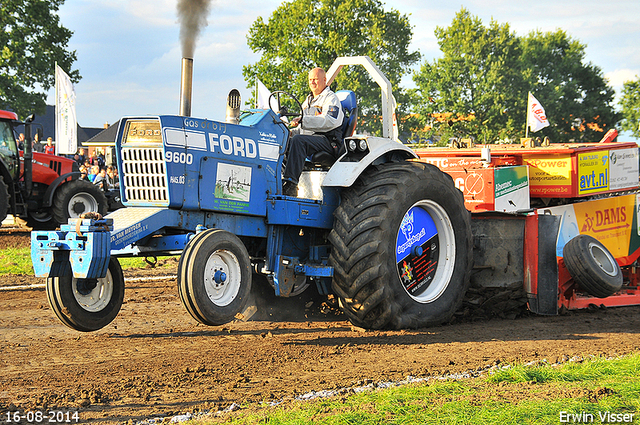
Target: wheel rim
(40,216)
(222,277)
(81,203)
(93,298)
(425,251)
(604,259)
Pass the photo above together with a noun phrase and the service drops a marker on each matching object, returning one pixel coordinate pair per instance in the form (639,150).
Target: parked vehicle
(42,189)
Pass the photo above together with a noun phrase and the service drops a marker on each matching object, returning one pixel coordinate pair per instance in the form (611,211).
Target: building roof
(48,123)
(106,137)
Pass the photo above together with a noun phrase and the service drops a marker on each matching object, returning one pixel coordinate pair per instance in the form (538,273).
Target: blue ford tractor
(389,236)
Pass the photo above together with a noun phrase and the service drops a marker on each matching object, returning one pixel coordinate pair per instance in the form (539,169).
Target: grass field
(18,261)
(596,390)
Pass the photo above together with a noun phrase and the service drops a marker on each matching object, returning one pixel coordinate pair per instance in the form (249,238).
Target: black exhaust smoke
(192,15)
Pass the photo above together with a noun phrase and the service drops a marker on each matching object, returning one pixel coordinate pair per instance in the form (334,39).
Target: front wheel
(401,247)
(87,304)
(214,277)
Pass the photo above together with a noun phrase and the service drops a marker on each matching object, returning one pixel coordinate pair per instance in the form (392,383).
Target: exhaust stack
(186,87)
(233,107)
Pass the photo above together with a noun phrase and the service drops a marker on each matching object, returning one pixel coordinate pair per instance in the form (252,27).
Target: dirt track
(155,360)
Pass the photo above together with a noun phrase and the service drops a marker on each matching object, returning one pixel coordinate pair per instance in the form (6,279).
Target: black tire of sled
(592,266)
(65,306)
(191,275)
(363,240)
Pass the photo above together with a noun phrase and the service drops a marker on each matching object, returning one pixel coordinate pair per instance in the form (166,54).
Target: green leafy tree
(463,93)
(479,87)
(630,104)
(577,99)
(303,34)
(32,40)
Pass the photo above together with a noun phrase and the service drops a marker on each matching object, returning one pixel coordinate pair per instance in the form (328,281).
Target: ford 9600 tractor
(388,235)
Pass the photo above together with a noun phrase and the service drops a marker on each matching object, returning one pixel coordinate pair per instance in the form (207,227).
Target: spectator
(83,172)
(100,180)
(81,157)
(101,158)
(37,146)
(112,177)
(21,141)
(93,172)
(49,148)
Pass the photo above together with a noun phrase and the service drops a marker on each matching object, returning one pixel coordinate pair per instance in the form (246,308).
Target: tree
(303,34)
(630,104)
(32,41)
(483,80)
(466,88)
(577,99)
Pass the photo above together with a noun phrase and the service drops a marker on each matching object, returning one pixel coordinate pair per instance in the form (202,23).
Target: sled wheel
(592,266)
(4,200)
(75,198)
(401,247)
(87,304)
(217,277)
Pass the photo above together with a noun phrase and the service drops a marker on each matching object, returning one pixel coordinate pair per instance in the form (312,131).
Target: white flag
(66,122)
(262,99)
(536,117)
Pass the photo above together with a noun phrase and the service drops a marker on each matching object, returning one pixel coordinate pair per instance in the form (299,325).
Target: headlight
(352,145)
(362,145)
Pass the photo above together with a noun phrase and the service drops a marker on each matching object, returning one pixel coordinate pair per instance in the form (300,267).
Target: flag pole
(526,131)
(55,134)
(256,98)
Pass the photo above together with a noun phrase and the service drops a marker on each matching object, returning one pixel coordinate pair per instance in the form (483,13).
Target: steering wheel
(282,110)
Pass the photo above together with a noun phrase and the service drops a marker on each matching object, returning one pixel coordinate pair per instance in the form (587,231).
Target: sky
(129,51)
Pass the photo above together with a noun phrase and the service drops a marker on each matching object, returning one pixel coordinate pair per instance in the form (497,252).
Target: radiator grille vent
(145,179)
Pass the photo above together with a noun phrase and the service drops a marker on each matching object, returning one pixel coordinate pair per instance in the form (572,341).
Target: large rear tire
(87,305)
(214,277)
(401,247)
(592,266)
(75,198)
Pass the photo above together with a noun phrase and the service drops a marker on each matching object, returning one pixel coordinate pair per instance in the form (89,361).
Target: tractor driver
(320,129)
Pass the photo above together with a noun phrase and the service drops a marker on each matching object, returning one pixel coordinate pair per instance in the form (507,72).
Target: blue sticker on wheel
(417,247)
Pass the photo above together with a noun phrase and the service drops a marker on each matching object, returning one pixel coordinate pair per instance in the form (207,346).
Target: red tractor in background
(43,189)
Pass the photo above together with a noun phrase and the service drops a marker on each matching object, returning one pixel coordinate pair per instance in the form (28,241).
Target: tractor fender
(47,201)
(346,170)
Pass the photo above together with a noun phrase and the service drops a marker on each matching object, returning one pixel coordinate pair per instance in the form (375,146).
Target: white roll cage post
(388,101)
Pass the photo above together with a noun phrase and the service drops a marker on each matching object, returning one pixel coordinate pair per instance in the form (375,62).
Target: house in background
(104,141)
(48,123)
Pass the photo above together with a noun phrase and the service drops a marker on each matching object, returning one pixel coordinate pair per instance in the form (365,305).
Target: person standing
(37,146)
(21,142)
(81,157)
(49,148)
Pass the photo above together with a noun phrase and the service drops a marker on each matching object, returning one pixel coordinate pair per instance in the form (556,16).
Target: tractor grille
(145,179)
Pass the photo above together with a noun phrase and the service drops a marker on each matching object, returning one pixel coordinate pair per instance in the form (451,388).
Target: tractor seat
(350,108)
